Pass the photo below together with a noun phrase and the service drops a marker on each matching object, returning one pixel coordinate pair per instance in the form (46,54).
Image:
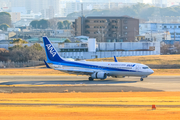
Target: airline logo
(130,65)
(51,49)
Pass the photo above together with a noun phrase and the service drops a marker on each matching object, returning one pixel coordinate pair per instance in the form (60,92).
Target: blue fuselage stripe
(75,64)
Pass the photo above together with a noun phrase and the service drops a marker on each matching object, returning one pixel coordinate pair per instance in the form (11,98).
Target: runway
(60,84)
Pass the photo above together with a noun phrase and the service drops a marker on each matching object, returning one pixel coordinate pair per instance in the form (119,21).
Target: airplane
(95,70)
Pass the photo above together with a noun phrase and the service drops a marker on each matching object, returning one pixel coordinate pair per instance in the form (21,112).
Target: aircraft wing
(75,71)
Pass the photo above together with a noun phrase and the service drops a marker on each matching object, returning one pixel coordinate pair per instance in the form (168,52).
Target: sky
(147,1)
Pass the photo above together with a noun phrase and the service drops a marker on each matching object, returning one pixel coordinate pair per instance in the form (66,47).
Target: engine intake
(99,75)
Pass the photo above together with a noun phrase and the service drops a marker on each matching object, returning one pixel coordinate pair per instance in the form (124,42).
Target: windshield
(145,67)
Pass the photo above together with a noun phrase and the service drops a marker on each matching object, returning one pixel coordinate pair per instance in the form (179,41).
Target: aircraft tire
(141,79)
(91,79)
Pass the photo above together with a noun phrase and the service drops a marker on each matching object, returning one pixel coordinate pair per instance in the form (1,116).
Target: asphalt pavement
(60,84)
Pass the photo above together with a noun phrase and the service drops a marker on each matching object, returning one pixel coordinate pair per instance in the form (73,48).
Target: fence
(20,64)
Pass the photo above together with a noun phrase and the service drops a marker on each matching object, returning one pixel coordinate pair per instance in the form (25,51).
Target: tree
(66,24)
(43,24)
(37,47)
(4,26)
(35,24)
(139,10)
(53,23)
(19,41)
(3,54)
(19,53)
(19,47)
(5,18)
(67,41)
(60,25)
(177,47)
(77,41)
(165,49)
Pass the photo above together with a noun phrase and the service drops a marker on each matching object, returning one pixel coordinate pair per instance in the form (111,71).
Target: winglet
(46,64)
(115,59)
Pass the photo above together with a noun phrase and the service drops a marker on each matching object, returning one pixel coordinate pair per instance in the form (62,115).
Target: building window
(87,32)
(125,27)
(125,33)
(87,26)
(87,21)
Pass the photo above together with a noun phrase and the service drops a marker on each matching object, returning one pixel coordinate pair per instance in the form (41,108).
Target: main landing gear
(91,79)
(141,79)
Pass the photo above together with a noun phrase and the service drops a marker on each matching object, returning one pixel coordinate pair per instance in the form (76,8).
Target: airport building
(93,49)
(107,29)
(173,28)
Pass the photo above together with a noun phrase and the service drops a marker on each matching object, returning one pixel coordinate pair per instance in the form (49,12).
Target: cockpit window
(145,67)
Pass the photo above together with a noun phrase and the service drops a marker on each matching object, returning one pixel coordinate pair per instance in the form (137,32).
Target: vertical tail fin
(51,53)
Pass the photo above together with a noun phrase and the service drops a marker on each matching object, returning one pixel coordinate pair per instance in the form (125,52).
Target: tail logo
(51,49)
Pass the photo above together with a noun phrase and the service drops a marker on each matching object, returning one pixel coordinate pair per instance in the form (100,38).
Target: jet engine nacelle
(99,75)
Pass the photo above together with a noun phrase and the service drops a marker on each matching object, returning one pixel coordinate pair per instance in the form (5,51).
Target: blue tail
(51,53)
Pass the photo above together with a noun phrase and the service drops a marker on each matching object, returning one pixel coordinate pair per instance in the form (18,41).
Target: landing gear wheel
(91,79)
(141,79)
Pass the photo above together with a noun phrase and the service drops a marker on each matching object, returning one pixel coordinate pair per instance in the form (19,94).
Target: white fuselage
(110,68)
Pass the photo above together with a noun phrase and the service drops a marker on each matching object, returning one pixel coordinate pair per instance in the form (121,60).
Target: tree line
(24,53)
(5,21)
(170,49)
(44,24)
(20,53)
(140,10)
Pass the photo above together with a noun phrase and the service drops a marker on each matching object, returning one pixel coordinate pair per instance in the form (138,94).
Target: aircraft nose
(151,71)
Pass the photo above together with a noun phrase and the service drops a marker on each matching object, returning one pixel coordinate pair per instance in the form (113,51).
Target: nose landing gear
(142,78)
